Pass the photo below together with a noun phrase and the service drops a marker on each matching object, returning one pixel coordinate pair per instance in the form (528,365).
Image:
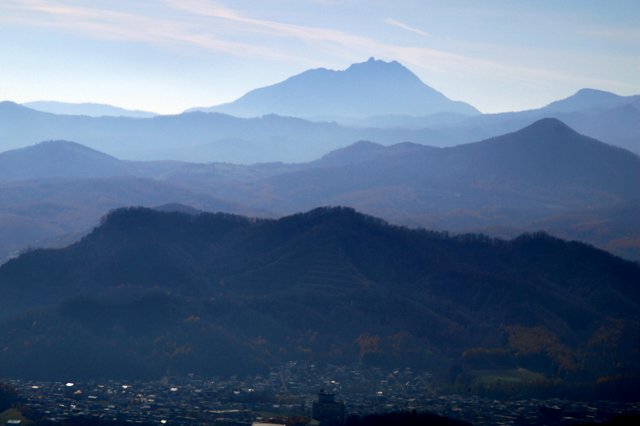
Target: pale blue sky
(169,55)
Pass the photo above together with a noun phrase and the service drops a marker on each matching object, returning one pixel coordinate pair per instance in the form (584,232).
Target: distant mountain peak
(548,123)
(377,68)
(58,158)
(373,87)
(546,131)
(356,152)
(587,91)
(62,145)
(12,106)
(364,144)
(589,99)
(59,142)
(373,62)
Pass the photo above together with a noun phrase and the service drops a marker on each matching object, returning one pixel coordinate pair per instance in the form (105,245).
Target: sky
(170,55)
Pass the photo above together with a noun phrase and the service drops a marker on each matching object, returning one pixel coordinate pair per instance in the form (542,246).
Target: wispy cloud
(338,42)
(246,24)
(407,27)
(126,26)
(354,47)
(630,35)
(216,27)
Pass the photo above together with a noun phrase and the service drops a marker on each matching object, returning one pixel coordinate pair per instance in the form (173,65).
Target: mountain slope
(619,125)
(550,152)
(203,137)
(541,177)
(370,88)
(35,212)
(589,99)
(544,167)
(602,115)
(87,109)
(185,292)
(188,137)
(58,159)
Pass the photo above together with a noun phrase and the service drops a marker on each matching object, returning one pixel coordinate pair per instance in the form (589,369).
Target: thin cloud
(352,46)
(407,27)
(630,35)
(267,27)
(215,27)
(129,27)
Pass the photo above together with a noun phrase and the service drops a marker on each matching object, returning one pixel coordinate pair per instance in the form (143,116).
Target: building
(327,410)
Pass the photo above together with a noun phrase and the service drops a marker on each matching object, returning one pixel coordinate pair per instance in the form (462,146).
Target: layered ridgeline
(544,167)
(602,115)
(149,293)
(545,176)
(193,137)
(369,88)
(55,191)
(377,101)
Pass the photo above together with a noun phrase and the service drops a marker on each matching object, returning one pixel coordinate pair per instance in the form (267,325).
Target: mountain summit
(364,89)
(590,99)
(58,158)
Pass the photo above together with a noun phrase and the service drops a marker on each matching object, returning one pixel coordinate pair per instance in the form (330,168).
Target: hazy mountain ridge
(193,136)
(602,115)
(87,109)
(585,101)
(221,138)
(545,163)
(538,178)
(175,280)
(590,99)
(45,211)
(53,159)
(369,88)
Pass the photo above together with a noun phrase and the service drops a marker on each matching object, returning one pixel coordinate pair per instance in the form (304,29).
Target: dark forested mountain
(370,88)
(149,292)
(88,109)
